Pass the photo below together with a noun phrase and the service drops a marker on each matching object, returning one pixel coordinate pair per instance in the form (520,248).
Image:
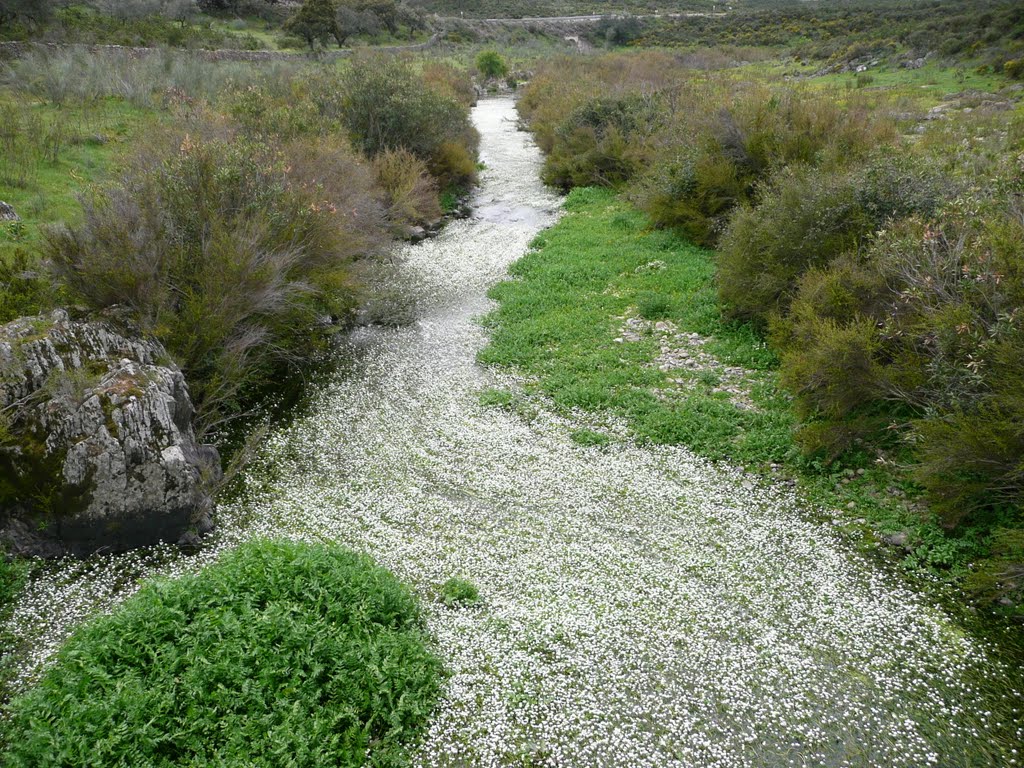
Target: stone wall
(15,50)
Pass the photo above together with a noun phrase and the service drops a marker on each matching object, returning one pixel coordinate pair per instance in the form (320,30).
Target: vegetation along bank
(857,323)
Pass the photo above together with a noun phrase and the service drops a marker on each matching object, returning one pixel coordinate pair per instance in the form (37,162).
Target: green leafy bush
(278,654)
(13,574)
(459,591)
(490,64)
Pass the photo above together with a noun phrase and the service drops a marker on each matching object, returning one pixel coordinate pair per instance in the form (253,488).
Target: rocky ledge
(97,449)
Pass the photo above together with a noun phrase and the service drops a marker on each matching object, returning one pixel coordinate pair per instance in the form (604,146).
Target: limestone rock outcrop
(97,448)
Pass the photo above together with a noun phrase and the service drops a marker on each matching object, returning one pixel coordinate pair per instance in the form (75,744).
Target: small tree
(350,22)
(386,12)
(314,22)
(490,64)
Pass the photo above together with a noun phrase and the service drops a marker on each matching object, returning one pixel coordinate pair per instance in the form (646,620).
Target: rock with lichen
(97,449)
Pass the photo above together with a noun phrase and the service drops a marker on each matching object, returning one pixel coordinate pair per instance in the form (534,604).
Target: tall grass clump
(280,653)
(237,253)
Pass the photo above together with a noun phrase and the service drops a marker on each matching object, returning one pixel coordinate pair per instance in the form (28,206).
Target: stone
(897,539)
(97,446)
(7,212)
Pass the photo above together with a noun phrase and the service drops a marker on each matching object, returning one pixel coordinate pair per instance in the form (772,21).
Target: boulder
(97,448)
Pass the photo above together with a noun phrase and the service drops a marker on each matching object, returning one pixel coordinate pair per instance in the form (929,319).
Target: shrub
(447,79)
(490,64)
(234,252)
(704,163)
(411,194)
(454,165)
(806,217)
(384,104)
(600,142)
(77,75)
(691,193)
(924,331)
(279,653)
(261,113)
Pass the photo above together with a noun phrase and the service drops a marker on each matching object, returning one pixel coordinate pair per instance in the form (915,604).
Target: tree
(490,64)
(386,12)
(349,22)
(314,22)
(618,30)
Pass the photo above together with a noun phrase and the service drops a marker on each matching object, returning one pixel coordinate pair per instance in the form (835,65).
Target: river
(639,606)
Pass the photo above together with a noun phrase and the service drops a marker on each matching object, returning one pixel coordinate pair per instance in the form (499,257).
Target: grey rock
(897,539)
(100,450)
(7,212)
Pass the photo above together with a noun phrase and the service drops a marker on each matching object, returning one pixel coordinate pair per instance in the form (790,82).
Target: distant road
(595,17)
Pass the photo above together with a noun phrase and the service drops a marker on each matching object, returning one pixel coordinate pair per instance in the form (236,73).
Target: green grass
(13,574)
(51,154)
(560,320)
(280,653)
(928,85)
(92,137)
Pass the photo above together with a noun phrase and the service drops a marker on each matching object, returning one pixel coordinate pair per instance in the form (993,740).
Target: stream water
(639,606)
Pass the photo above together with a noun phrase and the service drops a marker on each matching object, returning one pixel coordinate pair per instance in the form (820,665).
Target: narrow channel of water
(640,607)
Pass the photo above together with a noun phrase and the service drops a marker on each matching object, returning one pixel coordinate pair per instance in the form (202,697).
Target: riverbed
(639,606)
